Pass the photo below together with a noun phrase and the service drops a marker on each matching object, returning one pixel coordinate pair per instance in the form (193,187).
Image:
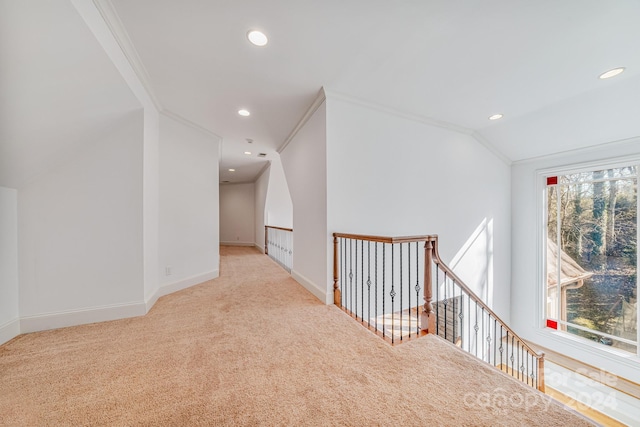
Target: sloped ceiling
(58,88)
(536,62)
(455,62)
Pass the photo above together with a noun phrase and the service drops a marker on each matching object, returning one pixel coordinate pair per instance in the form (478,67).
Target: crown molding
(263,170)
(577,151)
(113,21)
(422,119)
(317,102)
(489,146)
(178,118)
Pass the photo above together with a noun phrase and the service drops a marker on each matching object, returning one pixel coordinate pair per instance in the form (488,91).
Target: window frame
(541,251)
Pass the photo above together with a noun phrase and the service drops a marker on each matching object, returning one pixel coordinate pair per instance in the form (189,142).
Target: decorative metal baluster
(444,304)
(356,281)
(476,327)
(417,289)
(495,340)
(362,281)
(393,294)
(401,313)
(438,299)
(384,296)
(409,284)
(369,284)
(461,316)
(501,348)
(375,294)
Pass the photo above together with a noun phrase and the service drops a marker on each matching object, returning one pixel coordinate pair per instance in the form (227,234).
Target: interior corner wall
(526,296)
(9,303)
(237,214)
(279,207)
(261,188)
(150,203)
(305,167)
(80,236)
(394,176)
(188,198)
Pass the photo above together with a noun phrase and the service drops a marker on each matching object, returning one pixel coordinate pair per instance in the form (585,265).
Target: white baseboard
(42,322)
(237,243)
(318,292)
(9,330)
(259,247)
(180,285)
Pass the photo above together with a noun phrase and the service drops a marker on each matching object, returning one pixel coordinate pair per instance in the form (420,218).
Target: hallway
(252,348)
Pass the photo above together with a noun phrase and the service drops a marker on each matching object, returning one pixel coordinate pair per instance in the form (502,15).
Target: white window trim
(541,232)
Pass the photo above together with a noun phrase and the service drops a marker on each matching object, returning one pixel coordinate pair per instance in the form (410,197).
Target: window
(591,227)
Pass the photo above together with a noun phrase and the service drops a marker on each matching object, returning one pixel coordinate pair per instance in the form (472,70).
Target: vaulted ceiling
(451,62)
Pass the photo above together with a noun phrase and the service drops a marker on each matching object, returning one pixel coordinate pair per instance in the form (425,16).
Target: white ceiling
(457,62)
(58,89)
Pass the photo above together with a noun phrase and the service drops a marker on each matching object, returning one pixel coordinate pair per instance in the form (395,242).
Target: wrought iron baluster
(401,313)
(417,289)
(375,294)
(369,284)
(384,295)
(393,294)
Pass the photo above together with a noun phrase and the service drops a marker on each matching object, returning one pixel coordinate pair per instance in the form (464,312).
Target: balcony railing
(380,281)
(278,244)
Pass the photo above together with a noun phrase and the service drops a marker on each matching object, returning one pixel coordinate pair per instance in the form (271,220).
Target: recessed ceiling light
(248,153)
(611,73)
(232,170)
(496,117)
(244,113)
(258,38)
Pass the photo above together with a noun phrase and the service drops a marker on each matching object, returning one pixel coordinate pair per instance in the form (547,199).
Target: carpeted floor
(253,348)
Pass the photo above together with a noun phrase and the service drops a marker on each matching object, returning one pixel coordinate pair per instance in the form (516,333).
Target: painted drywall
(261,188)
(9,304)
(526,298)
(150,201)
(305,167)
(279,207)
(188,240)
(393,176)
(80,233)
(237,214)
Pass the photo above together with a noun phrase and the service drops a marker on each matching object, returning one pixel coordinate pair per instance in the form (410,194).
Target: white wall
(150,202)
(526,297)
(261,188)
(188,199)
(80,233)
(305,167)
(237,214)
(9,304)
(279,207)
(392,176)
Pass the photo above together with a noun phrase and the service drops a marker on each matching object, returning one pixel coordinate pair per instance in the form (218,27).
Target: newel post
(541,373)
(427,317)
(337,296)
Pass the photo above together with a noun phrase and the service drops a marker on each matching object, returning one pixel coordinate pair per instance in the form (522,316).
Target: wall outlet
(167,271)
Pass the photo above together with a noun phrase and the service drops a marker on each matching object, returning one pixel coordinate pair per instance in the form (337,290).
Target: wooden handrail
(278,228)
(384,239)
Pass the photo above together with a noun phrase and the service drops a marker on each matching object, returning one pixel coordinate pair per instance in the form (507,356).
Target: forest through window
(591,255)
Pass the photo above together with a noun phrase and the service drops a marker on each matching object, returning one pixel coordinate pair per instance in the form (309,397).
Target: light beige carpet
(253,348)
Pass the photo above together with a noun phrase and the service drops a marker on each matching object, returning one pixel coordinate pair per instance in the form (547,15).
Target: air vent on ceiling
(262,154)
(225,182)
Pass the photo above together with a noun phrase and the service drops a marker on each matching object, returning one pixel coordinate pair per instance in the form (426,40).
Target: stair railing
(278,245)
(379,281)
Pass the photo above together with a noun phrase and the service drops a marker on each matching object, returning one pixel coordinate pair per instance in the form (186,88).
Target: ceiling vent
(262,154)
